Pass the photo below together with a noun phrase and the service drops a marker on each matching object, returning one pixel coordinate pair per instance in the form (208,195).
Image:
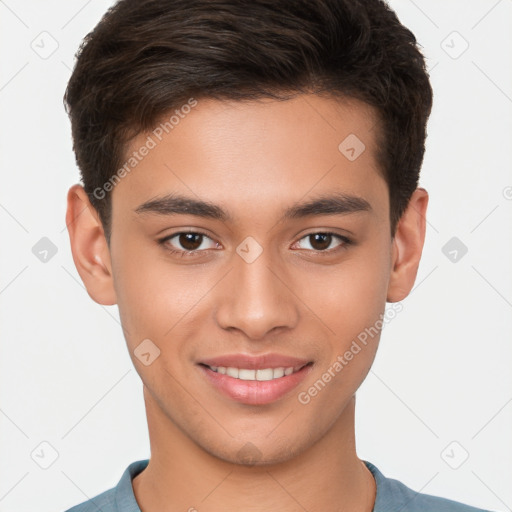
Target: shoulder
(118,499)
(393,495)
(104,502)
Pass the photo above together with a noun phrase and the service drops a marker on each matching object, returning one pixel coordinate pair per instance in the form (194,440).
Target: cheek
(351,302)
(156,298)
(351,296)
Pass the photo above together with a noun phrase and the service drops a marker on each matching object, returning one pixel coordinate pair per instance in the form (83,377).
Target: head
(254,125)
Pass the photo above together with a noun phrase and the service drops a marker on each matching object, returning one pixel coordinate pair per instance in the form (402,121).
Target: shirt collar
(126,502)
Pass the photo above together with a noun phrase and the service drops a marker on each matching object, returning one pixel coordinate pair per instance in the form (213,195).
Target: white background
(443,371)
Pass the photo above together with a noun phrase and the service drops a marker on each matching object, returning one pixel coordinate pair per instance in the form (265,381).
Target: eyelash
(184,253)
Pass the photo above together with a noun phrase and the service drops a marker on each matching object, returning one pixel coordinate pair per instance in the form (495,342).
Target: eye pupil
(190,241)
(322,241)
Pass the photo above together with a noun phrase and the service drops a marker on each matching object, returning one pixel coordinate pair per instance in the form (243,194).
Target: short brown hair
(147,57)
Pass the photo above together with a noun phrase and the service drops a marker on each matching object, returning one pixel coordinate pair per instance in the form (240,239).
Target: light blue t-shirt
(392,496)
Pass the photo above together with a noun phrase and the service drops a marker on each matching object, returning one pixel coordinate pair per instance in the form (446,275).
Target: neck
(183,476)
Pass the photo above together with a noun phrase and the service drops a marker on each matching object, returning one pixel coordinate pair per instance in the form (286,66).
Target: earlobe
(89,247)
(407,247)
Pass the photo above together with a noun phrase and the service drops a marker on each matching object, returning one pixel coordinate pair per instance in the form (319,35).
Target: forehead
(256,155)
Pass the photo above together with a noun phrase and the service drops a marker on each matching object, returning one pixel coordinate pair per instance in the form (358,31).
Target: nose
(255,298)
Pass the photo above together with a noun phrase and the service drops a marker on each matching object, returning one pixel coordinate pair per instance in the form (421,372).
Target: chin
(255,453)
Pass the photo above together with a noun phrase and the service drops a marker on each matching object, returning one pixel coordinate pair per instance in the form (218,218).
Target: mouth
(255,380)
(260,374)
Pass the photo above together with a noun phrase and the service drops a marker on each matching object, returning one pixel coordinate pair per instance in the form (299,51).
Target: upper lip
(255,362)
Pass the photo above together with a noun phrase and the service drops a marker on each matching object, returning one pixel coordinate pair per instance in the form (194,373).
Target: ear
(89,247)
(407,246)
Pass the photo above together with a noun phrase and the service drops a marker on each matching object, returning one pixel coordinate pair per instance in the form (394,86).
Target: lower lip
(255,392)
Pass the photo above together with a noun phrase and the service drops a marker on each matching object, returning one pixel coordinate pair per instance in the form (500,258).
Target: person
(250,201)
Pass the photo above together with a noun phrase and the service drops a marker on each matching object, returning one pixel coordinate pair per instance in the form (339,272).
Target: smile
(263,374)
(255,380)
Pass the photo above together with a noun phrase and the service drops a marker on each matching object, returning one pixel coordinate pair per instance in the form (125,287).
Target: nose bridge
(254,300)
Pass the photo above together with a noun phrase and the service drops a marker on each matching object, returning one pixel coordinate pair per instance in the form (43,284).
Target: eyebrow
(327,204)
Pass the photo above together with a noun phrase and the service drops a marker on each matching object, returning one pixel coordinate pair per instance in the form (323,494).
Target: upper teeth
(260,374)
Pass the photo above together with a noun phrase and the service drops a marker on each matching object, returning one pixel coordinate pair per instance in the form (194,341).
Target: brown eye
(323,242)
(190,241)
(320,241)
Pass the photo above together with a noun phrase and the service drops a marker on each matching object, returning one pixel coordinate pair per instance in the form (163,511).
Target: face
(238,299)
